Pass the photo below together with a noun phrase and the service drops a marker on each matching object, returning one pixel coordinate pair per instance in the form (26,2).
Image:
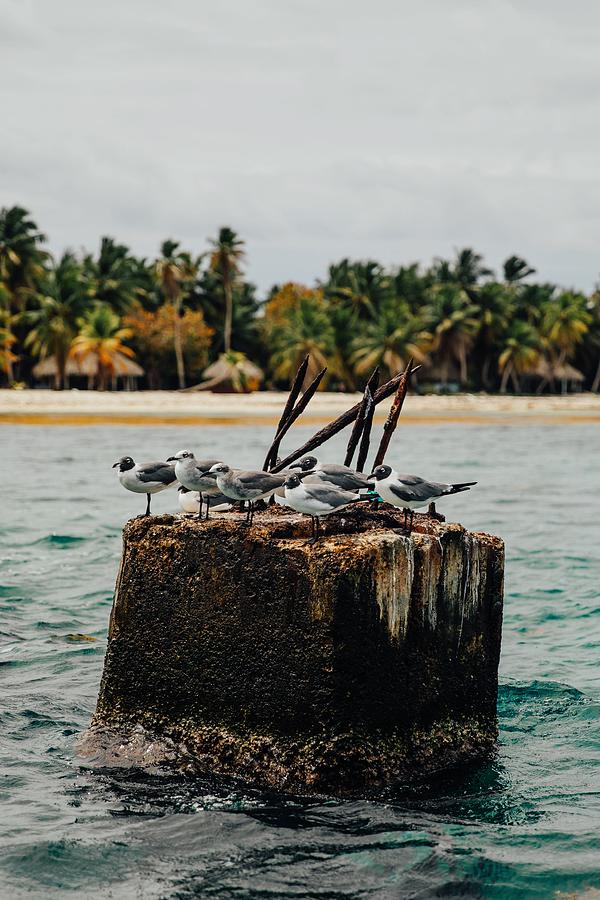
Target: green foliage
(182,310)
(63,298)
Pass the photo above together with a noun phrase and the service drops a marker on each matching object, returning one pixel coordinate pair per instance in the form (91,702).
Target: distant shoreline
(46,407)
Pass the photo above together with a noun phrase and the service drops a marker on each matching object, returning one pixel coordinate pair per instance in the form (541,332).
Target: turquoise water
(525,825)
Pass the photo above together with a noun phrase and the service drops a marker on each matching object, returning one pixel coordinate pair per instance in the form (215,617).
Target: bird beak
(115,465)
(171,459)
(371,477)
(209,474)
(302,475)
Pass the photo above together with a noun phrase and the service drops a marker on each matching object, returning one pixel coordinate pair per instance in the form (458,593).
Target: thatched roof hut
(232,373)
(564,372)
(87,367)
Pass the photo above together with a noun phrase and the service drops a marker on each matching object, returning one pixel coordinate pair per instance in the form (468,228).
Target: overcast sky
(392,129)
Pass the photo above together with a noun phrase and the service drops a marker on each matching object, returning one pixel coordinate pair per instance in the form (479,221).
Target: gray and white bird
(342,476)
(316,500)
(189,501)
(193,474)
(145,478)
(246,485)
(409,492)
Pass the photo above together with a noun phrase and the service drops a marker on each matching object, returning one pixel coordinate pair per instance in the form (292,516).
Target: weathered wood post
(368,657)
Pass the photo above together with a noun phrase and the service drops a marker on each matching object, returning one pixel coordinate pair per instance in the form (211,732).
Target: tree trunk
(10,374)
(485,372)
(61,366)
(178,345)
(462,360)
(505,377)
(228,313)
(596,382)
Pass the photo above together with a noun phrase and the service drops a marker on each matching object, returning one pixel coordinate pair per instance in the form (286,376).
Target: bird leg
(200,498)
(147,513)
(314,530)
(207,501)
(412,513)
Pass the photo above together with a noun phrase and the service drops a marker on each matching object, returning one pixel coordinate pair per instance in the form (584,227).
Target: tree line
(469,327)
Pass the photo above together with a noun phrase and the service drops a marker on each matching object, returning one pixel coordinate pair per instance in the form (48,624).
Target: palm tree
(61,302)
(467,269)
(176,272)
(225,262)
(515,269)
(119,278)
(21,263)
(451,320)
(7,339)
(495,306)
(519,353)
(389,341)
(364,285)
(101,337)
(304,330)
(565,322)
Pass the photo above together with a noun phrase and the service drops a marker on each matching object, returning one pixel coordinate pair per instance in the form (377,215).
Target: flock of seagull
(308,486)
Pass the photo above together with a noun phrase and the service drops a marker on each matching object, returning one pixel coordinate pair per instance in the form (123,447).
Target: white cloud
(317,129)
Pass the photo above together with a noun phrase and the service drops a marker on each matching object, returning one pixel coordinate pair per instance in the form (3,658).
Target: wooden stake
(382,393)
(392,419)
(296,412)
(370,387)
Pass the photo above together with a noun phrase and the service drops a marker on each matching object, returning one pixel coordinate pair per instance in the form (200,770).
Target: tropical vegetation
(190,318)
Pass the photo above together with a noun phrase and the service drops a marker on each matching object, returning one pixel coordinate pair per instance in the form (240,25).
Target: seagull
(244,485)
(316,500)
(409,492)
(193,474)
(342,476)
(189,501)
(145,478)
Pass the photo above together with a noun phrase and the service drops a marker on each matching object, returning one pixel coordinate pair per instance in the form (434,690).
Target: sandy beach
(46,407)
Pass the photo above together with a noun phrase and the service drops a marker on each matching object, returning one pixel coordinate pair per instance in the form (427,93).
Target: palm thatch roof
(235,374)
(564,372)
(87,367)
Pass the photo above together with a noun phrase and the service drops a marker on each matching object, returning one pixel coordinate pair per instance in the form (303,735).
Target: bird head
(124,464)
(379,473)
(292,481)
(219,469)
(181,454)
(305,464)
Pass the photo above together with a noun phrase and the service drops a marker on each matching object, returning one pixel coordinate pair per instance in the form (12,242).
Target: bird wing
(343,476)
(330,494)
(216,499)
(261,481)
(205,464)
(421,491)
(156,471)
(412,479)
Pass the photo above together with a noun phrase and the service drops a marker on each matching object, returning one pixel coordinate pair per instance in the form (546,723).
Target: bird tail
(464,486)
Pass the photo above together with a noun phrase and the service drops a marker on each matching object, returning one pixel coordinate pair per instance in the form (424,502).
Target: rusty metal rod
(289,405)
(382,393)
(392,419)
(356,432)
(366,435)
(296,412)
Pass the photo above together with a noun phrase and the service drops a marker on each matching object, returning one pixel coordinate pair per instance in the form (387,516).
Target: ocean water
(524,825)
